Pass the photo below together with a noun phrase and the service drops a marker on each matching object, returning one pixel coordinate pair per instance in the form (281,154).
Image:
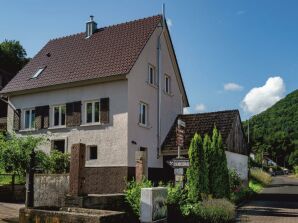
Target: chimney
(91,27)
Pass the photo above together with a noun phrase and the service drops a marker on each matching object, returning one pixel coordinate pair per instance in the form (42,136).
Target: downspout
(159,69)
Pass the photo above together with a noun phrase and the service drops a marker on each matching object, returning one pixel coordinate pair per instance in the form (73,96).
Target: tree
(197,173)
(293,159)
(12,56)
(218,170)
(15,152)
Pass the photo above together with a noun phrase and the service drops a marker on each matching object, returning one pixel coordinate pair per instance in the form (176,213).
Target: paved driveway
(277,203)
(9,212)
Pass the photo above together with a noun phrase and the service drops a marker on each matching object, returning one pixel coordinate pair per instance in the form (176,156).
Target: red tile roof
(110,51)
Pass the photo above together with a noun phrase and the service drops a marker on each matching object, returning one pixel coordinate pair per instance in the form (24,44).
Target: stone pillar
(77,165)
(140,165)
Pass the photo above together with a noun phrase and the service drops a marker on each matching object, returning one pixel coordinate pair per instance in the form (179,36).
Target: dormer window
(38,72)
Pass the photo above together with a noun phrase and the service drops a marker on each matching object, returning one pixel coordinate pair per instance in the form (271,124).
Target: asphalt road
(277,203)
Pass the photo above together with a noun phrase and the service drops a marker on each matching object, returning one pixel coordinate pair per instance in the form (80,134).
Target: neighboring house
(5,77)
(229,125)
(100,88)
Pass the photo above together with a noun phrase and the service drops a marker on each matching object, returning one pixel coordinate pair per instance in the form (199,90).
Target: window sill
(169,94)
(93,124)
(144,126)
(152,85)
(57,127)
(27,130)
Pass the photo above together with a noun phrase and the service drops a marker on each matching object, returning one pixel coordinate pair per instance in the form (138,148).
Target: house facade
(117,89)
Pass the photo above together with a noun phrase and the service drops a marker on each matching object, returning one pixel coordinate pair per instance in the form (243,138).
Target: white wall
(140,90)
(111,139)
(238,162)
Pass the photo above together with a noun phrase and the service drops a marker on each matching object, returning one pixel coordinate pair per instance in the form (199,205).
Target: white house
(117,89)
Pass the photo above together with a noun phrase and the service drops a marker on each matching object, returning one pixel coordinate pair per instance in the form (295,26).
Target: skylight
(38,72)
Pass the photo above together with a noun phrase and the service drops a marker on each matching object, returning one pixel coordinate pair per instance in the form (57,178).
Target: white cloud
(169,22)
(186,111)
(200,108)
(232,87)
(259,99)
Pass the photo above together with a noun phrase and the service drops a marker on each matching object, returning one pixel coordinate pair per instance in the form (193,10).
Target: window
(59,145)
(92,152)
(143,116)
(59,115)
(92,112)
(167,84)
(38,72)
(151,74)
(29,119)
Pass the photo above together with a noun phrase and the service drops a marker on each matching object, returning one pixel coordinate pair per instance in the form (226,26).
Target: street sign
(179,163)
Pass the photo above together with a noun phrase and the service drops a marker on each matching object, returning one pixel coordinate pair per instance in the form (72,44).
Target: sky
(233,54)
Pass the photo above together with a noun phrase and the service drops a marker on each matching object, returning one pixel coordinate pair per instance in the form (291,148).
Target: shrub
(243,193)
(59,162)
(255,186)
(133,194)
(260,176)
(219,185)
(235,180)
(296,170)
(197,173)
(209,211)
(176,195)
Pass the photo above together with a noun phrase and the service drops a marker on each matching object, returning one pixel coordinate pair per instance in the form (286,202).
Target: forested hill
(275,130)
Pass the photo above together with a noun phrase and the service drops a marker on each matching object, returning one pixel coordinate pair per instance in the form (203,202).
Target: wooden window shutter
(73,113)
(104,110)
(42,117)
(17,120)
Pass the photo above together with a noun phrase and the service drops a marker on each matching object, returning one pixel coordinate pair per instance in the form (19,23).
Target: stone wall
(50,189)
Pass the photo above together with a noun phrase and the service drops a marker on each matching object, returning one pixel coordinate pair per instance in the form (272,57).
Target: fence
(12,187)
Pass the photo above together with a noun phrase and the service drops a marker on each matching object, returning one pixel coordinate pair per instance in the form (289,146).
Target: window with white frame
(92,152)
(151,75)
(92,112)
(143,114)
(167,84)
(29,119)
(59,112)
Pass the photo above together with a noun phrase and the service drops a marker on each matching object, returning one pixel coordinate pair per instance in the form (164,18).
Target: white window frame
(146,114)
(93,112)
(38,72)
(150,66)
(30,118)
(60,115)
(89,152)
(167,80)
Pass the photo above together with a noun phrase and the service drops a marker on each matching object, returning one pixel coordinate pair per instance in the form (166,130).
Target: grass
(255,186)
(260,176)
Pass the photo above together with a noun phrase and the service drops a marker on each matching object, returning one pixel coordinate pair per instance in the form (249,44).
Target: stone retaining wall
(50,189)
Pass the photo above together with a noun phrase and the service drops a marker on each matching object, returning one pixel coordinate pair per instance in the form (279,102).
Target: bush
(176,195)
(235,180)
(209,211)
(133,194)
(260,176)
(59,162)
(296,170)
(243,193)
(197,173)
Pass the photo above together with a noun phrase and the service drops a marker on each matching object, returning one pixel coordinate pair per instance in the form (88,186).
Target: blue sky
(240,44)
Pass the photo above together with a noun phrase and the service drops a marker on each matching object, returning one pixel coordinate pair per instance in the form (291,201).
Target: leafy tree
(293,159)
(12,56)
(275,131)
(59,162)
(15,152)
(197,173)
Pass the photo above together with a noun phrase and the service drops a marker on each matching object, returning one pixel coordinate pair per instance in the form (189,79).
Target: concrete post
(77,164)
(140,165)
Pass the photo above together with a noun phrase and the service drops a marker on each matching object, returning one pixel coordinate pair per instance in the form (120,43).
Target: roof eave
(64,85)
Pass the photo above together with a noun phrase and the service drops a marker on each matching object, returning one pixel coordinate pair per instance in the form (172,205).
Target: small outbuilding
(230,127)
